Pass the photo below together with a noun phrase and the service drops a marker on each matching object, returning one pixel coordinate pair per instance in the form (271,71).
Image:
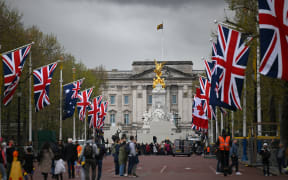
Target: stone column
(144,98)
(134,99)
(180,103)
(168,96)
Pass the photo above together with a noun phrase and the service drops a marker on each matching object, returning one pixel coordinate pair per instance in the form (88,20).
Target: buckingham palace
(129,94)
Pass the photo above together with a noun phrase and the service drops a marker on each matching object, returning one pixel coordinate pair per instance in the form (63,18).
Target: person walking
(45,160)
(219,166)
(224,143)
(28,163)
(265,153)
(281,157)
(234,157)
(88,153)
(131,156)
(58,160)
(70,153)
(78,163)
(122,156)
(115,154)
(9,155)
(99,158)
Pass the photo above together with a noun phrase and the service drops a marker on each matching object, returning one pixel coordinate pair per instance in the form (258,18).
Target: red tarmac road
(177,168)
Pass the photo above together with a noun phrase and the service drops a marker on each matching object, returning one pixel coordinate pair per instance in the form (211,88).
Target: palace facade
(129,94)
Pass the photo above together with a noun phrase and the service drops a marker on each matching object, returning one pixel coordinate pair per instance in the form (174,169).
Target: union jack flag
(210,68)
(102,115)
(83,102)
(42,80)
(70,92)
(231,56)
(13,64)
(94,111)
(273,27)
(205,94)
(199,118)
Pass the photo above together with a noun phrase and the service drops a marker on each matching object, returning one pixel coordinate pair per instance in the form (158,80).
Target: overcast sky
(115,33)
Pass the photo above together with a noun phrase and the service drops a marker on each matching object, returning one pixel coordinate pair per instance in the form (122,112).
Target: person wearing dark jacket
(70,155)
(123,156)
(265,153)
(115,154)
(59,154)
(99,159)
(280,155)
(234,157)
(28,162)
(2,163)
(9,155)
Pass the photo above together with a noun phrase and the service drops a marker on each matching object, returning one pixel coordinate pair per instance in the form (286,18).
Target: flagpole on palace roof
(60,98)
(17,48)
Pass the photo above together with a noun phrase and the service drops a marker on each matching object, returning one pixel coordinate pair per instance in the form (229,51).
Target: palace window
(112,99)
(112,118)
(149,99)
(126,119)
(174,99)
(126,100)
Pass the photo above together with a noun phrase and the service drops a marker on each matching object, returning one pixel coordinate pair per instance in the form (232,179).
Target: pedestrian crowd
(52,160)
(227,149)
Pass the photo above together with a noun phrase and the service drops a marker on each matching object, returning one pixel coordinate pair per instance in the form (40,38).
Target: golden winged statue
(158,71)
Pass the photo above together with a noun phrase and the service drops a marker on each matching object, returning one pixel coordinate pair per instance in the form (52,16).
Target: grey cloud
(158,3)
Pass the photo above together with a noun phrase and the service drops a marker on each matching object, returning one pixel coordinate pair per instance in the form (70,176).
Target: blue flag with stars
(70,92)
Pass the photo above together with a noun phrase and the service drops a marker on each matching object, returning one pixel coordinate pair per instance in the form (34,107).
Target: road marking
(213,169)
(188,168)
(163,169)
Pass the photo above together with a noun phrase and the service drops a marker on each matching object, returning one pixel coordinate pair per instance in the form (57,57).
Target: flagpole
(60,98)
(30,96)
(74,128)
(232,117)
(17,48)
(85,129)
(222,122)
(258,92)
(216,125)
(162,43)
(1,96)
(244,109)
(212,131)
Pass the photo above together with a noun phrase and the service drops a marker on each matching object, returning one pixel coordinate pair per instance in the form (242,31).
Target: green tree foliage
(46,50)
(273,91)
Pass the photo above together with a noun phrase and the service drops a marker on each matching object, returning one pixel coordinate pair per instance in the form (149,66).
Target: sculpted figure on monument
(146,117)
(158,71)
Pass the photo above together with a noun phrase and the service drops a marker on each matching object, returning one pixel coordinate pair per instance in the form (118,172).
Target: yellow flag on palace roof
(159,26)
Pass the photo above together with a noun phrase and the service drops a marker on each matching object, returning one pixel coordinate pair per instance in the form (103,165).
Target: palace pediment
(167,73)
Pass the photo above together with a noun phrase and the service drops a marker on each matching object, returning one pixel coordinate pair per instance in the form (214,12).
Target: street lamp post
(176,118)
(136,127)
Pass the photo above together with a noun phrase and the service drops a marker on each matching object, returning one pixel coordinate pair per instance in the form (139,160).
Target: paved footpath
(177,168)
